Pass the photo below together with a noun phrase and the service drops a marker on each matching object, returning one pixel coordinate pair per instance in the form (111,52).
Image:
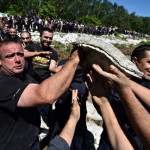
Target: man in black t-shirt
(19,125)
(18,128)
(42,58)
(25,37)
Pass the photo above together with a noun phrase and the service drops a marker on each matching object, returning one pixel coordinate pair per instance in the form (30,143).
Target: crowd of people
(34,23)
(32,80)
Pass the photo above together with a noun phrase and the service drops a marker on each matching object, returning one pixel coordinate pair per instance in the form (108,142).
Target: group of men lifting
(32,80)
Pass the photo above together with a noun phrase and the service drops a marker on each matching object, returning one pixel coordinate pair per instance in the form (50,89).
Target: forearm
(138,116)
(30,54)
(141,92)
(116,136)
(68,131)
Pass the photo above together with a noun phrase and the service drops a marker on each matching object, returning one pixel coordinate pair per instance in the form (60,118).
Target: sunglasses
(23,38)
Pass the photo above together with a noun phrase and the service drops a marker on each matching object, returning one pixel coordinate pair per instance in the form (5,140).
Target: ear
(134,60)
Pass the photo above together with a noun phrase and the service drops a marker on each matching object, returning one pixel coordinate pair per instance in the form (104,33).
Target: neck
(11,73)
(45,47)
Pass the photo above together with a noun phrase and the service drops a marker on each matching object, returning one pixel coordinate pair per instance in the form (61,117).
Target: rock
(96,130)
(92,113)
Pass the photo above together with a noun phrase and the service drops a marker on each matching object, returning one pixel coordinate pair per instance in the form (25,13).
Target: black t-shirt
(19,127)
(39,65)
(4,35)
(15,38)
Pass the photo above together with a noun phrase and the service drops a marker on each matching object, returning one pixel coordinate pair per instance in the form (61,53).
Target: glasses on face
(13,32)
(23,38)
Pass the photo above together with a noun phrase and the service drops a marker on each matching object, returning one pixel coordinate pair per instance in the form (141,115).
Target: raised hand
(98,88)
(116,78)
(97,84)
(75,110)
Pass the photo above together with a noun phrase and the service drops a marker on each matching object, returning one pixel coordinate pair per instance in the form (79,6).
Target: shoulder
(53,51)
(11,89)
(54,54)
(33,47)
(12,82)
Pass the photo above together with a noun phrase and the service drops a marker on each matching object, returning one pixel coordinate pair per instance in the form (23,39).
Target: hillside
(61,42)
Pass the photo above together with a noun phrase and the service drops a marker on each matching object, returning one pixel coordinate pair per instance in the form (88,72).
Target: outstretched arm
(100,95)
(137,114)
(115,134)
(68,131)
(51,88)
(64,140)
(141,92)
(35,53)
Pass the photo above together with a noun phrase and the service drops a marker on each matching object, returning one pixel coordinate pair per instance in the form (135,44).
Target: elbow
(46,96)
(49,99)
(52,98)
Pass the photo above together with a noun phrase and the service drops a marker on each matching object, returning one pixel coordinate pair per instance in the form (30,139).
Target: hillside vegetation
(89,12)
(64,50)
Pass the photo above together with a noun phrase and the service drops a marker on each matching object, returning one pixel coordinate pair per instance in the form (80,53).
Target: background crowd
(34,22)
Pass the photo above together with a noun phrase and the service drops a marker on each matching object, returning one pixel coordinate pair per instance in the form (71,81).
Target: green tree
(90,20)
(48,9)
(118,16)
(146,25)
(136,23)
(92,12)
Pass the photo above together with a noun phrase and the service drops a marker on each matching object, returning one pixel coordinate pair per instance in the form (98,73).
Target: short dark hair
(6,42)
(25,32)
(140,51)
(12,28)
(45,29)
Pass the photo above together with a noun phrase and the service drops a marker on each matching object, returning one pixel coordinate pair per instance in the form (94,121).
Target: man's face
(46,38)
(144,65)
(25,38)
(5,29)
(12,32)
(12,59)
